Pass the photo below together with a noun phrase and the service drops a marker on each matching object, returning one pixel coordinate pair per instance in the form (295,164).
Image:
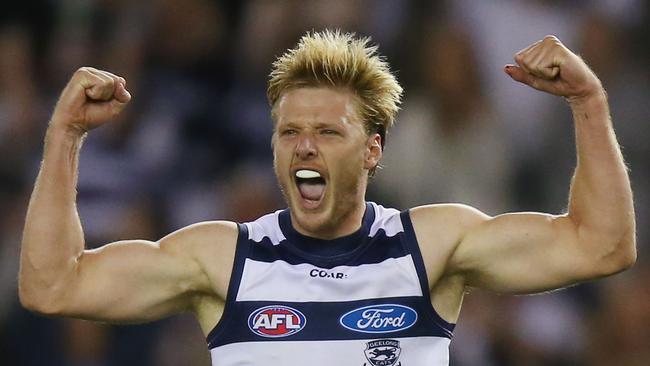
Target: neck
(342,225)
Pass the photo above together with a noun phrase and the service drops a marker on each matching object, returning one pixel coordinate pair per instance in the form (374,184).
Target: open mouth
(311,186)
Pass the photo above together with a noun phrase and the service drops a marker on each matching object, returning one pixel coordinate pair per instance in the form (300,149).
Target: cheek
(282,157)
(278,165)
(280,153)
(351,167)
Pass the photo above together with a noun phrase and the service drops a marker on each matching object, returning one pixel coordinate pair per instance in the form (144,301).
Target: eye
(288,132)
(327,131)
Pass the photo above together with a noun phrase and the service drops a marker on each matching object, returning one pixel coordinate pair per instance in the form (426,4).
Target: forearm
(601,197)
(53,237)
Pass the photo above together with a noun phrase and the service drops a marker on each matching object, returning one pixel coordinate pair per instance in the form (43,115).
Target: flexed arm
(600,198)
(530,252)
(133,280)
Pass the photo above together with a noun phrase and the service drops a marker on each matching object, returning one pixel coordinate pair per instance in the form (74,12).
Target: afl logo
(384,318)
(276,321)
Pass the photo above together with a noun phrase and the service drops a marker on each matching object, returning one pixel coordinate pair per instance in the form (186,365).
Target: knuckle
(109,82)
(85,70)
(81,72)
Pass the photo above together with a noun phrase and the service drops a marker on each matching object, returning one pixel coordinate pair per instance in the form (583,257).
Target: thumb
(518,74)
(99,112)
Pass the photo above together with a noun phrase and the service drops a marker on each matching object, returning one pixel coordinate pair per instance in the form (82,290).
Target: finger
(544,65)
(116,107)
(101,111)
(527,49)
(524,62)
(522,57)
(520,75)
(531,61)
(114,76)
(515,72)
(116,79)
(95,87)
(119,86)
(121,94)
(537,59)
(100,86)
(550,72)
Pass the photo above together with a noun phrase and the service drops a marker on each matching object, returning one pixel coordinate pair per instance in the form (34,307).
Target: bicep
(522,253)
(138,280)
(131,281)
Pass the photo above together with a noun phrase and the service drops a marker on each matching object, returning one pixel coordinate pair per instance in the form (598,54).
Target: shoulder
(440,228)
(202,235)
(211,245)
(452,216)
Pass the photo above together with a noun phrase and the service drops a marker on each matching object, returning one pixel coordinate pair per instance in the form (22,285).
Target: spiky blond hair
(337,59)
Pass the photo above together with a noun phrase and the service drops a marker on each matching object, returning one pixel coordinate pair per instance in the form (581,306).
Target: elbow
(26,294)
(34,304)
(628,255)
(43,290)
(29,300)
(38,302)
(623,257)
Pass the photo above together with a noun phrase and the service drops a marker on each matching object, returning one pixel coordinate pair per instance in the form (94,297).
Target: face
(322,156)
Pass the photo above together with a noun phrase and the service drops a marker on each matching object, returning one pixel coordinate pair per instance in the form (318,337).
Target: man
(332,279)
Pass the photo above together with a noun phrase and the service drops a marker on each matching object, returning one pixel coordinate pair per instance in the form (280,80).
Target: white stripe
(414,351)
(281,281)
(387,219)
(266,226)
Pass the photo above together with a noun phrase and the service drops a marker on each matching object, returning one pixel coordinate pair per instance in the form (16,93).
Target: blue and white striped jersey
(359,300)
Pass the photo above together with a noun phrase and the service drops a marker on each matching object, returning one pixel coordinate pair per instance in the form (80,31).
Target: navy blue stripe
(414,248)
(370,250)
(411,242)
(241,252)
(326,253)
(315,248)
(323,321)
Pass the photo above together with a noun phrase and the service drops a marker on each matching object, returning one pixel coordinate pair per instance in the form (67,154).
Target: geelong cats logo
(383,352)
(276,321)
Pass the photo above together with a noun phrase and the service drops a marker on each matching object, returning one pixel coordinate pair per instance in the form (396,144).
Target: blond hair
(332,58)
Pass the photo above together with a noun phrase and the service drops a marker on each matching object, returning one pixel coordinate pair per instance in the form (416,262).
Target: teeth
(304,173)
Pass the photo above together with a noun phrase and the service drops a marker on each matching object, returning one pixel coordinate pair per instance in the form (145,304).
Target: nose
(306,148)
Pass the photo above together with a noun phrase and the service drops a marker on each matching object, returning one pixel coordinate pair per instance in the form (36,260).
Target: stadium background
(194,145)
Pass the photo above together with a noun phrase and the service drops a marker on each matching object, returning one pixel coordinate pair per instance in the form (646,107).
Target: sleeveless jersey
(359,300)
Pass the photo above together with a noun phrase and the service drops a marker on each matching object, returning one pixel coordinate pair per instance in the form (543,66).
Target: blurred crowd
(194,145)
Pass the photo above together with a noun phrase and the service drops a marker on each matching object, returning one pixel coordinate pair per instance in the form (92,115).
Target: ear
(373,152)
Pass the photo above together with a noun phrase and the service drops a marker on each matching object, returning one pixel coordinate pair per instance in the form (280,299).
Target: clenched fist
(91,98)
(549,66)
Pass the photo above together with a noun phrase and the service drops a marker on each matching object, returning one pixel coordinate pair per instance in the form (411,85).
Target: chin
(313,220)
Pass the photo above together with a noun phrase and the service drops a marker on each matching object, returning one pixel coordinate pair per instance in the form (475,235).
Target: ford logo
(276,321)
(383,318)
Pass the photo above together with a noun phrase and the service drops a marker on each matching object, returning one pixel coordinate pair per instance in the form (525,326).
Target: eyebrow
(319,124)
